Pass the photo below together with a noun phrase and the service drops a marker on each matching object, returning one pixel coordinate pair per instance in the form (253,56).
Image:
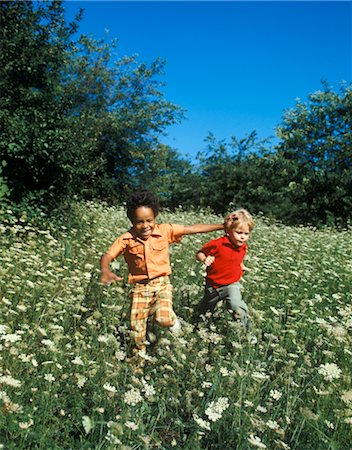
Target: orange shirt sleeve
(118,247)
(173,231)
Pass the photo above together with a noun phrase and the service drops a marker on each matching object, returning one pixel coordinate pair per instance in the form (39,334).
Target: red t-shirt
(226,268)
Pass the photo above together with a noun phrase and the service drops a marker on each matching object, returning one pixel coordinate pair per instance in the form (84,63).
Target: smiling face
(239,234)
(143,222)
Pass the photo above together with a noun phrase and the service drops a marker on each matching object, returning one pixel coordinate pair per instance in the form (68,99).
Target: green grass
(64,379)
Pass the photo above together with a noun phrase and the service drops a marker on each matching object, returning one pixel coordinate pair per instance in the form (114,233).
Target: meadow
(65,378)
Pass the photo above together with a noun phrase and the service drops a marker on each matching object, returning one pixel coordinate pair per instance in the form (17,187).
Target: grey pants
(232,294)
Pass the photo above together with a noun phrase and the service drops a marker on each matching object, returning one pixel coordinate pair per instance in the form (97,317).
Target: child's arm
(106,276)
(244,268)
(203,258)
(202,228)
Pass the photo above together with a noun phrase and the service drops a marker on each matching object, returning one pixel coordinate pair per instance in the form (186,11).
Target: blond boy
(223,258)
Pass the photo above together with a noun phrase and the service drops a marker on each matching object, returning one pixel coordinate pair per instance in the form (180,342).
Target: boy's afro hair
(142,198)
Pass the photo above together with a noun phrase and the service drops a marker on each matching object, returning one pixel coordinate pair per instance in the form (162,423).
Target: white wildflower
(120,355)
(256,442)
(110,437)
(11,338)
(133,426)
(77,361)
(201,422)
(132,397)
(41,332)
(144,355)
(329,424)
(339,332)
(272,424)
(149,390)
(4,397)
(275,311)
(330,371)
(216,408)
(347,397)
(87,424)
(100,410)
(34,362)
(21,307)
(108,387)
(81,380)
(24,358)
(224,371)
(261,409)
(9,381)
(25,425)
(49,377)
(50,344)
(260,376)
(275,394)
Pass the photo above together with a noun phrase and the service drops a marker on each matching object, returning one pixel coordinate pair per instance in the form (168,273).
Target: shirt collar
(228,241)
(130,234)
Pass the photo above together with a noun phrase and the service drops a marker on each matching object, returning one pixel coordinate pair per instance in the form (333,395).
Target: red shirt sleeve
(209,248)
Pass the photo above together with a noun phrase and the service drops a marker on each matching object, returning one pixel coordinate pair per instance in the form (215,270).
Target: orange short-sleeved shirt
(150,258)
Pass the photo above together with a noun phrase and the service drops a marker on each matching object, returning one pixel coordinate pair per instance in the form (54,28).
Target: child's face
(239,235)
(143,222)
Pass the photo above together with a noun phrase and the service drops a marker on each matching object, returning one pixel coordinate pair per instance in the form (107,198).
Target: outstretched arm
(202,228)
(106,276)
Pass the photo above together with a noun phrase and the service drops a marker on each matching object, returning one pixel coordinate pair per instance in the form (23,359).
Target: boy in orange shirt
(223,258)
(145,248)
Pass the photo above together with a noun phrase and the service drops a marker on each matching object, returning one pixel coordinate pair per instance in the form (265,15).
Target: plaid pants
(151,298)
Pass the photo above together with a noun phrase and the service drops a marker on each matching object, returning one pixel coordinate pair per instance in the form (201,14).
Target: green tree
(228,171)
(305,179)
(34,47)
(72,119)
(316,139)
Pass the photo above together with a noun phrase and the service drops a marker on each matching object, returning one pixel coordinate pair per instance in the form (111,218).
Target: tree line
(77,120)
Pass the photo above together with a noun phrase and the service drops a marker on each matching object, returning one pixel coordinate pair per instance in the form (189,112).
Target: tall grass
(66,383)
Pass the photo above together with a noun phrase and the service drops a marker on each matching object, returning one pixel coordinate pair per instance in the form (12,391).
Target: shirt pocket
(160,246)
(136,249)
(136,256)
(160,252)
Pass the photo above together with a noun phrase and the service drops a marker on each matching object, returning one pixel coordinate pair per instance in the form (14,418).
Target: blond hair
(240,217)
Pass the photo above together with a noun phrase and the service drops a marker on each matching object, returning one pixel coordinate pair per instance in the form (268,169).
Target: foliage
(34,47)
(227,176)
(4,189)
(66,382)
(71,121)
(78,120)
(305,179)
(316,140)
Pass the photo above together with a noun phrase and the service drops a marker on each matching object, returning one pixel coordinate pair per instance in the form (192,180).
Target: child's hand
(109,277)
(209,260)
(228,221)
(245,268)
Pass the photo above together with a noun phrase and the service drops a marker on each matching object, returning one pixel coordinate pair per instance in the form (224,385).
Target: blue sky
(235,66)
